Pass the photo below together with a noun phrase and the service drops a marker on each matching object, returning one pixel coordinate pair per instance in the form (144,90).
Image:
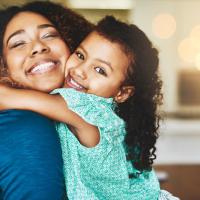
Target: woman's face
(34,52)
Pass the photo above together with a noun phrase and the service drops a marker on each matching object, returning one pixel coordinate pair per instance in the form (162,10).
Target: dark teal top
(30,157)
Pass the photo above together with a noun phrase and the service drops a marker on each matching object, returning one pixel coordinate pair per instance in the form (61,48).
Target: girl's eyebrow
(98,59)
(83,49)
(22,30)
(105,62)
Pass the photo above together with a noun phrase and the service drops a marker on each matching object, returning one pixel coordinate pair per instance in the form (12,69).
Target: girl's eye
(80,55)
(101,71)
(17,44)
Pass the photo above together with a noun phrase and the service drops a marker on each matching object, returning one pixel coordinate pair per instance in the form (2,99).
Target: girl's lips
(42,67)
(74,84)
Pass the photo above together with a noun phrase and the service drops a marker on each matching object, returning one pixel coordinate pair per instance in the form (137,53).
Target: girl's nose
(78,72)
(39,48)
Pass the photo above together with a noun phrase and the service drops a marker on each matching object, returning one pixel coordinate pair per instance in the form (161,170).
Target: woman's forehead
(24,20)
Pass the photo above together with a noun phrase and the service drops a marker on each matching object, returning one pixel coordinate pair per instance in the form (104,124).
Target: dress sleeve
(95,110)
(165,195)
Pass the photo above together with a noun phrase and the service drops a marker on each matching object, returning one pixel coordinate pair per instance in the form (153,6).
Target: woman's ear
(1,63)
(3,69)
(124,93)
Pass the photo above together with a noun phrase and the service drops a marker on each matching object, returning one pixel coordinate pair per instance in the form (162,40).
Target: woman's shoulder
(13,114)
(24,120)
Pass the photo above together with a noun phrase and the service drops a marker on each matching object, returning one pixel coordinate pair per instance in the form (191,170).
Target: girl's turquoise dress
(101,172)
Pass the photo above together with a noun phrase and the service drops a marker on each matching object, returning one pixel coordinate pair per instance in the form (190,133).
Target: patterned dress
(101,172)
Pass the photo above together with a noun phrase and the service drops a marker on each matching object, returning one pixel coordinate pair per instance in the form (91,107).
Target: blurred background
(174,28)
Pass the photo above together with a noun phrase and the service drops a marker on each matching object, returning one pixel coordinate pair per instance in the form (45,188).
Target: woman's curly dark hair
(140,110)
(72,27)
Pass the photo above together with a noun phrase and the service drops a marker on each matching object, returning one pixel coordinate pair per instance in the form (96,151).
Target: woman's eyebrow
(22,30)
(13,34)
(41,26)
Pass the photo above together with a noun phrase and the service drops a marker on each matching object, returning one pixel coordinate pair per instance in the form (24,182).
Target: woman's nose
(38,48)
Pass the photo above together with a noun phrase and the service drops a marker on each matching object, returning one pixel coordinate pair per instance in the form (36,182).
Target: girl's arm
(52,106)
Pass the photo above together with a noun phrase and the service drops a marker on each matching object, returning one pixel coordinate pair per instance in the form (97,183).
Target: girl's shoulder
(76,98)
(89,104)
(96,110)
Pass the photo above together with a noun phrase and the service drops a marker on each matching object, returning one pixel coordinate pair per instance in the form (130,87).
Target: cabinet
(94,10)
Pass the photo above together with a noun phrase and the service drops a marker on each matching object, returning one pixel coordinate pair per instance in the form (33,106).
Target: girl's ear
(124,93)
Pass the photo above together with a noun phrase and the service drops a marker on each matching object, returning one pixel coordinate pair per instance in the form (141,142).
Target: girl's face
(34,52)
(98,66)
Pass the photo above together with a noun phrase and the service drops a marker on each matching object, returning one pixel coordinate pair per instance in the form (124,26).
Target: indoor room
(173,26)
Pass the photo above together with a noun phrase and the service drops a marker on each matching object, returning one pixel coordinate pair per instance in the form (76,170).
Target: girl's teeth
(75,84)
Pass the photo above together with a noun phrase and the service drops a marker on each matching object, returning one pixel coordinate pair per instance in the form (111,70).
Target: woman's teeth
(43,67)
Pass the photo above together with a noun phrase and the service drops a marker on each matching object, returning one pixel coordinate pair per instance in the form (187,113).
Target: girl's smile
(95,70)
(70,82)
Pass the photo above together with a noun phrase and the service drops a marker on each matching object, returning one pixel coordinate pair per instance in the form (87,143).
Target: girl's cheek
(66,71)
(67,68)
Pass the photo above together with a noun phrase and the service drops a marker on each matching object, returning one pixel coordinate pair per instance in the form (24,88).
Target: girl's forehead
(98,48)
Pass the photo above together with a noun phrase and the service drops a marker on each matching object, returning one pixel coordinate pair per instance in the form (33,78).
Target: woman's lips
(42,67)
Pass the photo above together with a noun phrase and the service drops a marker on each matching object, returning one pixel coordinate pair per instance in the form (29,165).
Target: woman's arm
(52,106)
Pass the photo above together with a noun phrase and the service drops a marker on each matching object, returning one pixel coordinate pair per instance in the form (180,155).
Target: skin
(34,52)
(98,66)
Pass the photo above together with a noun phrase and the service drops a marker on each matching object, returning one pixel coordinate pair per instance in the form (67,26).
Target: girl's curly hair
(140,110)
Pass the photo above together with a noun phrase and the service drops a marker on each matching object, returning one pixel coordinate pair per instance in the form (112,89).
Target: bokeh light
(164,26)
(189,48)
(197,61)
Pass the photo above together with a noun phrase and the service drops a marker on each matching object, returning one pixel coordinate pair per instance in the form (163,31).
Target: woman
(33,53)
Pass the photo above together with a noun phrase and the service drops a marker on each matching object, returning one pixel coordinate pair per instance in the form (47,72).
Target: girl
(109,103)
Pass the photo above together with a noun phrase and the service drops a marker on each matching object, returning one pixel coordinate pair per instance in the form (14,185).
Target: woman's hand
(9,82)
(4,96)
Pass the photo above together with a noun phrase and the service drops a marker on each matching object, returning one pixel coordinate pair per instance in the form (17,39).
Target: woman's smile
(43,66)
(34,52)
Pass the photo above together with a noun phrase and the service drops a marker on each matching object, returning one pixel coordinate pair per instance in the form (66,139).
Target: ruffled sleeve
(165,195)
(95,110)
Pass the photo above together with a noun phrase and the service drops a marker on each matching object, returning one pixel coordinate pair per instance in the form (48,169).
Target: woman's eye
(80,55)
(101,71)
(50,35)
(17,44)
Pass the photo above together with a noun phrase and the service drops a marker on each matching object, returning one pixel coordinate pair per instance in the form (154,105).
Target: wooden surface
(183,180)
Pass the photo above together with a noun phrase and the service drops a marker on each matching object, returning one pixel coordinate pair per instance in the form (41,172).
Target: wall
(179,140)
(187,15)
